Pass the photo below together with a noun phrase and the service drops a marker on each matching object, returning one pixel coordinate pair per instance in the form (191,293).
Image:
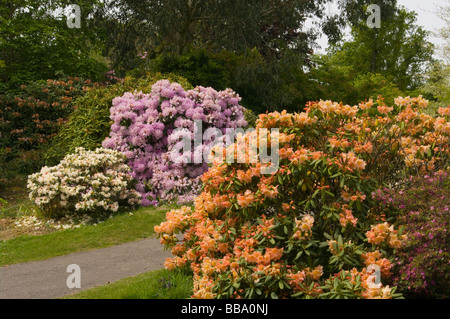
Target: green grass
(158,284)
(117,230)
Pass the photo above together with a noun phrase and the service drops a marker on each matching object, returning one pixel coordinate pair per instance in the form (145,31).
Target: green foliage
(178,26)
(198,67)
(403,60)
(437,86)
(373,85)
(90,122)
(36,43)
(338,82)
(262,84)
(31,118)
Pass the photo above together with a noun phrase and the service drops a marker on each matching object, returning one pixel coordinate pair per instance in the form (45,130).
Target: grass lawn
(157,284)
(119,229)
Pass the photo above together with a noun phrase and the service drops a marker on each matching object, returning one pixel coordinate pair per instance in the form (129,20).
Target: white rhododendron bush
(85,182)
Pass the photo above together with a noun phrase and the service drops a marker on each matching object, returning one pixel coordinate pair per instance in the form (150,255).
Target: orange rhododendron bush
(312,228)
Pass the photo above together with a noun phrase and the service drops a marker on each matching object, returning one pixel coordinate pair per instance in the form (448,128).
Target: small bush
(95,183)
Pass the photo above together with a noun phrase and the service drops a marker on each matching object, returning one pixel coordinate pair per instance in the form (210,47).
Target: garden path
(47,279)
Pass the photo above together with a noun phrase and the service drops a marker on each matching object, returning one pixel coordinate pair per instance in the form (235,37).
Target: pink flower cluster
(147,127)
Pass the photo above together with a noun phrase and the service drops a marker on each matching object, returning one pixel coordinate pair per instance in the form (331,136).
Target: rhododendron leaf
(323,244)
(273,295)
(328,193)
(280,179)
(298,294)
(299,254)
(340,240)
(315,193)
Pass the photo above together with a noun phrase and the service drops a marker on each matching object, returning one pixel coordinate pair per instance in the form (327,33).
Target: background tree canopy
(263,49)
(37,44)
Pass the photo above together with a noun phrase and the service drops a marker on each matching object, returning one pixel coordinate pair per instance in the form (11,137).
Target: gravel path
(47,279)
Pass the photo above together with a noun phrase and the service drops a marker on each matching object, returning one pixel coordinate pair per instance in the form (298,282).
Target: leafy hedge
(29,120)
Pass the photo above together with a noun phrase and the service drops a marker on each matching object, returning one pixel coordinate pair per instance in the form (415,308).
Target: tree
(399,50)
(175,26)
(444,32)
(36,43)
(336,80)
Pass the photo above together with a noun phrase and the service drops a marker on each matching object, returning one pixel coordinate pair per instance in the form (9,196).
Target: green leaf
(315,193)
(299,254)
(341,184)
(280,180)
(297,294)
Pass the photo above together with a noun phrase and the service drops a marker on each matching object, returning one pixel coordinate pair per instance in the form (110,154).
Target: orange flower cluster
(374,258)
(385,233)
(357,196)
(298,279)
(303,227)
(349,162)
(346,217)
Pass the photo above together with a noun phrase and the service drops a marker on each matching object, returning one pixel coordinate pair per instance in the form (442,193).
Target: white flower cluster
(85,181)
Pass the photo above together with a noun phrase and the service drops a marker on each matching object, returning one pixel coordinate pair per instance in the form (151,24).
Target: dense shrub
(262,83)
(95,183)
(311,229)
(148,128)
(200,68)
(422,266)
(90,122)
(29,120)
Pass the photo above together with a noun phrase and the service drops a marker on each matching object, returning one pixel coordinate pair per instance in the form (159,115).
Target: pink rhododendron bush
(148,127)
(93,183)
(311,229)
